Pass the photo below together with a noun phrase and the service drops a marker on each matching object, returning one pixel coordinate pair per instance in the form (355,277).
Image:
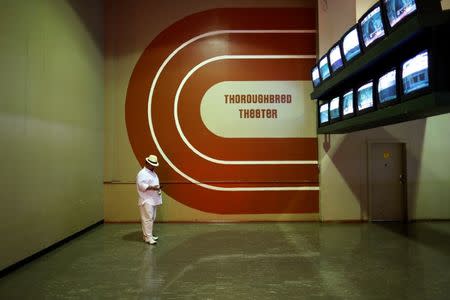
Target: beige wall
(51,123)
(334,18)
(343,157)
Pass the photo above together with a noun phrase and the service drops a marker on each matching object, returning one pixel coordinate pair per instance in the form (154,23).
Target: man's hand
(154,187)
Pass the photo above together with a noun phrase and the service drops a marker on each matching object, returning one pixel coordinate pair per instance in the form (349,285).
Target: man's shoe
(155,238)
(151,241)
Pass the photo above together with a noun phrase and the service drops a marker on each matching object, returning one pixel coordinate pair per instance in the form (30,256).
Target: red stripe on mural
(242,148)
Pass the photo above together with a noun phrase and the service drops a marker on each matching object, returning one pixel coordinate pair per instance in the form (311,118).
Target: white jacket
(144,179)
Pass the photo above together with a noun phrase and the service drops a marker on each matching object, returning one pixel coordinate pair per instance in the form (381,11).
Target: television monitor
(335,112)
(371,24)
(323,113)
(365,97)
(387,88)
(397,10)
(324,68)
(315,76)
(351,46)
(335,57)
(415,74)
(348,104)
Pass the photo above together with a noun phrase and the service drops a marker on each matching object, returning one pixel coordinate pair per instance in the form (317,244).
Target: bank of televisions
(382,18)
(400,83)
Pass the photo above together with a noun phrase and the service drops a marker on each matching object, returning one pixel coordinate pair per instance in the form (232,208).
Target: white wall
(51,123)
(334,18)
(343,157)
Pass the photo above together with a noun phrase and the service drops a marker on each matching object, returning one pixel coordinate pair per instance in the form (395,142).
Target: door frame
(404,146)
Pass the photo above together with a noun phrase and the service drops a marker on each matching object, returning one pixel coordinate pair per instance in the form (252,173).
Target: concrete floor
(244,261)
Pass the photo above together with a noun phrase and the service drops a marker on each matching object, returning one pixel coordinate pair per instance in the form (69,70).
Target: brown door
(386,182)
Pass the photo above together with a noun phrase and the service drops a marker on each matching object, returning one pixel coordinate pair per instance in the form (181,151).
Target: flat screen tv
(351,46)
(335,57)
(315,76)
(348,104)
(365,97)
(371,24)
(323,114)
(415,73)
(335,112)
(324,68)
(387,88)
(398,10)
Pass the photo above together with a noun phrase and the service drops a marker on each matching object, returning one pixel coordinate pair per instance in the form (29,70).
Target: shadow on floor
(427,234)
(135,236)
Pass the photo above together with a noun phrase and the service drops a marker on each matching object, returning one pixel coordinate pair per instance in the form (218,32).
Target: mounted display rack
(395,68)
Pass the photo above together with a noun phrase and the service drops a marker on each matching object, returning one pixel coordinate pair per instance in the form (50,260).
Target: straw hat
(153,160)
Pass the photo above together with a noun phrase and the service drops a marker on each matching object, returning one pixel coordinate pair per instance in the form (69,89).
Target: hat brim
(152,163)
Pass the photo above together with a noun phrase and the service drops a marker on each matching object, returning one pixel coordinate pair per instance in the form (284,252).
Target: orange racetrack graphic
(272,37)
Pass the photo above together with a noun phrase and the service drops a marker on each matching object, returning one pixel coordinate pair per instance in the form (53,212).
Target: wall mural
(220,96)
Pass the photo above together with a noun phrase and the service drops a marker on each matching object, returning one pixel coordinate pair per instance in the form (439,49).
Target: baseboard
(356,221)
(50,248)
(429,220)
(216,221)
(368,221)
(344,221)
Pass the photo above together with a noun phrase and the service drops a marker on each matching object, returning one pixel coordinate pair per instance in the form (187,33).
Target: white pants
(148,216)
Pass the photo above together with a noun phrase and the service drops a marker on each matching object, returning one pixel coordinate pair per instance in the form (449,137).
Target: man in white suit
(149,192)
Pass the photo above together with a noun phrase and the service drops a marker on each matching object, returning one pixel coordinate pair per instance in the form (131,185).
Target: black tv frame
(405,18)
(337,44)
(312,80)
(334,120)
(319,104)
(350,115)
(325,56)
(368,109)
(380,104)
(431,72)
(383,21)
(422,7)
(341,43)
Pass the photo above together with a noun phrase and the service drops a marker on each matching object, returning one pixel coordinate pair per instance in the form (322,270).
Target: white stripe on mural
(234,162)
(152,130)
